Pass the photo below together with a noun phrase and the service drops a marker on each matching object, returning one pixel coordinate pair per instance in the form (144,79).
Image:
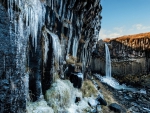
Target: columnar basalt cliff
(38,40)
(129,56)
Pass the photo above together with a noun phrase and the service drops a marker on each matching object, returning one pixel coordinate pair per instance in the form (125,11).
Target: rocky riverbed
(130,101)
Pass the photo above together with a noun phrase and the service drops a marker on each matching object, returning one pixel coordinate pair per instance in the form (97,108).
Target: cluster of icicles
(31,18)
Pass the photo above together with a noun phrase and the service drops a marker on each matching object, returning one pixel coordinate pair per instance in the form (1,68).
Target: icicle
(52,5)
(70,34)
(56,45)
(69,41)
(84,55)
(60,9)
(75,47)
(64,10)
(46,47)
(68,15)
(20,23)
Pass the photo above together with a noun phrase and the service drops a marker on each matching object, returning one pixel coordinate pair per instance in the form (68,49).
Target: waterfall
(107,78)
(108,62)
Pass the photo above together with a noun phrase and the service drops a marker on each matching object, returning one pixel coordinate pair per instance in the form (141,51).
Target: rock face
(12,76)
(38,39)
(129,55)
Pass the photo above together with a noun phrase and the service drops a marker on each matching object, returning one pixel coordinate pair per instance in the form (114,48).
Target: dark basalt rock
(129,59)
(101,100)
(117,108)
(76,79)
(78,99)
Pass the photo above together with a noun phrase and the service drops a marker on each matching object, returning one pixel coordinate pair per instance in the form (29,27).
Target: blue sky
(124,17)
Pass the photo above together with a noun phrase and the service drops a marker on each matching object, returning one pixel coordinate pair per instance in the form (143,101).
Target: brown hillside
(141,40)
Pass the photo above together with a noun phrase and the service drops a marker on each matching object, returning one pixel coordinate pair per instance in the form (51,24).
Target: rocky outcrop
(12,76)
(38,38)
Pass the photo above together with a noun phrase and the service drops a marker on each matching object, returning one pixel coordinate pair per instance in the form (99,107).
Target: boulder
(101,100)
(76,78)
(78,99)
(116,108)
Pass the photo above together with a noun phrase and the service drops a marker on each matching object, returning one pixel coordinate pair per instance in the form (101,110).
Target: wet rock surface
(128,101)
(135,102)
(101,100)
(12,87)
(116,108)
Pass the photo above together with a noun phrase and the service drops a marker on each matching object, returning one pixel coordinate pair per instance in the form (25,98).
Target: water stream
(108,62)
(107,78)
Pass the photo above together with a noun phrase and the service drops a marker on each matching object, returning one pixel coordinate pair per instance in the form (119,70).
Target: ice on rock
(74,108)
(39,107)
(56,46)
(75,47)
(60,9)
(84,55)
(32,12)
(27,21)
(59,96)
(93,102)
(46,46)
(143,91)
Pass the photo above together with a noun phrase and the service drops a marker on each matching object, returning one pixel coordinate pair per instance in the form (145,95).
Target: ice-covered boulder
(60,95)
(39,107)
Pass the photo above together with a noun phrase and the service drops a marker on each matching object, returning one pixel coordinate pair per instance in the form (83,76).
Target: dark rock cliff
(129,57)
(38,40)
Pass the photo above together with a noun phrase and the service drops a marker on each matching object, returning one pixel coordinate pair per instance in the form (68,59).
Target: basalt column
(39,39)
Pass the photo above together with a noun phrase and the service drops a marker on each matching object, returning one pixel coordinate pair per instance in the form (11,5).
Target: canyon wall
(38,40)
(129,55)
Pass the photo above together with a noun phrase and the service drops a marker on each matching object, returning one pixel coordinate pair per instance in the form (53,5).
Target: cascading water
(108,62)
(108,79)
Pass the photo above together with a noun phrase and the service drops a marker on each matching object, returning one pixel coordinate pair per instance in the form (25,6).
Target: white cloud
(113,35)
(140,27)
(124,30)
(119,29)
(110,34)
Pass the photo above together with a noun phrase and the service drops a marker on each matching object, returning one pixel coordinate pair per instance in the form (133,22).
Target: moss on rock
(59,96)
(88,89)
